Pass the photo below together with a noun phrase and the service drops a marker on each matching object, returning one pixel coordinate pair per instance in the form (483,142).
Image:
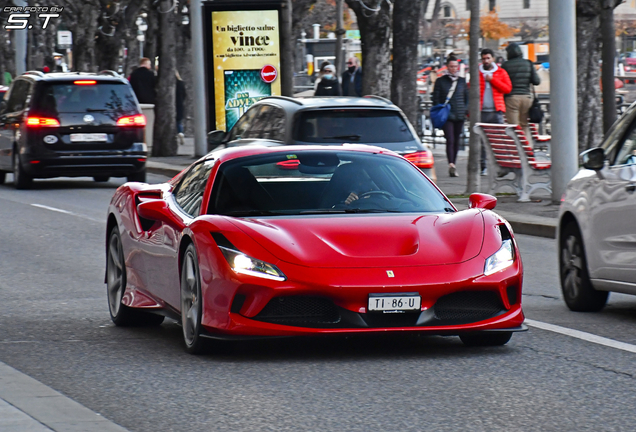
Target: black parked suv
(71,124)
(369,120)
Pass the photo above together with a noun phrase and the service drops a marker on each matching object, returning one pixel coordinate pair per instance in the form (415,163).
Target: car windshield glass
(359,126)
(66,97)
(322,182)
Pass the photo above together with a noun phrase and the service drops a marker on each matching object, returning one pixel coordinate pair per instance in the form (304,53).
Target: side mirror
(593,159)
(215,139)
(154,210)
(480,200)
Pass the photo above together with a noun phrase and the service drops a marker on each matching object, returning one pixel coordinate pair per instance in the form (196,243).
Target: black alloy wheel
(486,339)
(191,302)
(121,314)
(578,292)
(21,180)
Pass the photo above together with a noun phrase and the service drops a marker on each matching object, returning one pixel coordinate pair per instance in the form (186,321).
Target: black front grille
(468,306)
(300,311)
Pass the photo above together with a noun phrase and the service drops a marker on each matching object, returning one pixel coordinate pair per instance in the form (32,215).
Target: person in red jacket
(494,83)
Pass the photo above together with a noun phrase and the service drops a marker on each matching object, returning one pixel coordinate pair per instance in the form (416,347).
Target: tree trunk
(150,45)
(374,21)
(474,98)
(588,46)
(84,35)
(406,15)
(185,68)
(165,130)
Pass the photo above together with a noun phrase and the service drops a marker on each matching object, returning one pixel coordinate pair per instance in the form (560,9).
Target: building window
(467,5)
(492,4)
(526,4)
(447,11)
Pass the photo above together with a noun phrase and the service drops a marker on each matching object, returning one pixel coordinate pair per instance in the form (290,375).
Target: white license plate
(86,137)
(403,303)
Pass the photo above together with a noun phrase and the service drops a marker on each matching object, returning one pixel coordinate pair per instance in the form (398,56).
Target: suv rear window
(66,97)
(354,126)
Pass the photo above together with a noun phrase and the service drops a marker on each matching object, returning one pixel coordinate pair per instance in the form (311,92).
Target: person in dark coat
(352,78)
(519,101)
(180,99)
(329,85)
(142,81)
(459,106)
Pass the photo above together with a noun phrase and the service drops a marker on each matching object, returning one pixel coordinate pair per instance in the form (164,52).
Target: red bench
(508,151)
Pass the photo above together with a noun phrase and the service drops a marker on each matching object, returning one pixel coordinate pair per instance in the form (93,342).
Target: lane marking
(588,337)
(52,209)
(45,207)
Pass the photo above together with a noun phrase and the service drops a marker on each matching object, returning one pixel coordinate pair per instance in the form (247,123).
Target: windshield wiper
(324,211)
(351,137)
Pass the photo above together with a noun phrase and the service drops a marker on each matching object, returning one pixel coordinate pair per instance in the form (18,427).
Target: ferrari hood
(369,240)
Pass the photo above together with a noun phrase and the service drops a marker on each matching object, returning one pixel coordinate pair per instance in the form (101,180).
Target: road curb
(533,228)
(155,168)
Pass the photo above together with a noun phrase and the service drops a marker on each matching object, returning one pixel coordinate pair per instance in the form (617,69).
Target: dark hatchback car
(71,124)
(328,121)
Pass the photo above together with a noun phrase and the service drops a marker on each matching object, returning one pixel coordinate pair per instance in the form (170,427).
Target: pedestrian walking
(352,78)
(519,101)
(329,85)
(458,103)
(494,83)
(142,81)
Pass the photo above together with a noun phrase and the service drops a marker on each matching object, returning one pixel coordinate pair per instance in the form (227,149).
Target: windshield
(354,126)
(66,97)
(322,182)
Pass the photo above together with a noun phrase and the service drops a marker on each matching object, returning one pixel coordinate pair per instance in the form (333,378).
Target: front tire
(2,177)
(121,314)
(191,301)
(101,179)
(578,292)
(486,339)
(138,177)
(21,179)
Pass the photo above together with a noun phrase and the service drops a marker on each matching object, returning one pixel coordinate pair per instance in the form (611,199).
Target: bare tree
(406,16)
(588,50)
(184,65)
(7,49)
(165,140)
(117,30)
(374,21)
(82,17)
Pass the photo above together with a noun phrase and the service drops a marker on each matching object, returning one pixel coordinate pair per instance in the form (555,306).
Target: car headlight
(501,259)
(244,264)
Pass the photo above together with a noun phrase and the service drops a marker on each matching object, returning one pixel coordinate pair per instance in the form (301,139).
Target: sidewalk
(538,217)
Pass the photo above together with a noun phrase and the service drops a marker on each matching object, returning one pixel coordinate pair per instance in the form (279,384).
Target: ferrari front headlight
(501,259)
(244,264)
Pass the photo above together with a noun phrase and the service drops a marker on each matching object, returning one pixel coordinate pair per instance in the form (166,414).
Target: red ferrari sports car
(278,241)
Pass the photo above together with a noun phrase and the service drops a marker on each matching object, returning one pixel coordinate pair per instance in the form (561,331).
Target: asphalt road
(55,327)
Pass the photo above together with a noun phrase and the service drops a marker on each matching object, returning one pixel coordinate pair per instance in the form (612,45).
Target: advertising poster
(246,49)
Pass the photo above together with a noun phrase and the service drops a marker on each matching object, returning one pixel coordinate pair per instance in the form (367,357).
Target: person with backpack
(519,101)
(454,86)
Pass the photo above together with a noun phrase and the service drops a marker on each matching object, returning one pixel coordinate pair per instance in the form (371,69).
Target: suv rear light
(136,120)
(421,159)
(42,121)
(85,82)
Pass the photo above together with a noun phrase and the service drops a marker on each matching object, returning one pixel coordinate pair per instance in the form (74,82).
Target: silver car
(596,233)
